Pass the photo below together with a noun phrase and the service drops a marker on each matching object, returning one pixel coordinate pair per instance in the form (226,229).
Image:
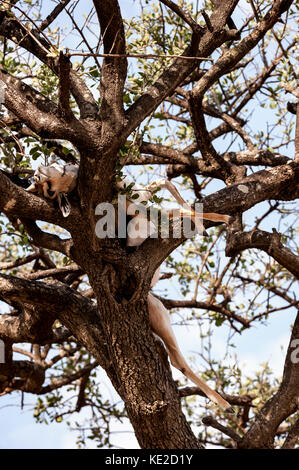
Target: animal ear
(64,204)
(32,188)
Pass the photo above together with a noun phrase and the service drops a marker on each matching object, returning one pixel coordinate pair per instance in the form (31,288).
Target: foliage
(237,292)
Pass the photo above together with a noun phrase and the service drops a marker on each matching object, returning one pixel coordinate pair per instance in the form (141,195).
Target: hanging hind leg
(160,324)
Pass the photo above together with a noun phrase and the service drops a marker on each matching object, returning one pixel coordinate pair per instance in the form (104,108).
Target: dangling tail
(160,324)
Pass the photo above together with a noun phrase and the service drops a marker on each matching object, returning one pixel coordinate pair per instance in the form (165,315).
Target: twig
(183,15)
(140,56)
(64,85)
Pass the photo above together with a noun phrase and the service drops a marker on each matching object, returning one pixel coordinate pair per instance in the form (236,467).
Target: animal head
(55,181)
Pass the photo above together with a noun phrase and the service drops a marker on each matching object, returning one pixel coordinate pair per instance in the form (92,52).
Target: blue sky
(256,345)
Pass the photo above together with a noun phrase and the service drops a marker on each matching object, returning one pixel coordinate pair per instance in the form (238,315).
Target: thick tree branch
(33,325)
(268,242)
(55,272)
(182,14)
(292,437)
(297,134)
(233,56)
(173,76)
(65,66)
(53,15)
(38,112)
(247,157)
(47,240)
(278,183)
(256,158)
(114,70)
(205,306)
(77,313)
(12,29)
(210,421)
(187,163)
(238,400)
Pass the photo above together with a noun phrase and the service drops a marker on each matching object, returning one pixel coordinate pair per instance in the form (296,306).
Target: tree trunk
(132,361)
(143,380)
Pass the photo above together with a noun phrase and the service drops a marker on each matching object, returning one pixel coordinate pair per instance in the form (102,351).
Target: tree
(67,289)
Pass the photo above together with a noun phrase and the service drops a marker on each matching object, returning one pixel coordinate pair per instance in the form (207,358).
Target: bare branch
(55,272)
(16,202)
(297,135)
(205,306)
(13,29)
(65,66)
(238,400)
(31,374)
(19,262)
(180,68)
(37,111)
(268,242)
(46,240)
(292,437)
(277,183)
(182,14)
(57,295)
(233,56)
(33,325)
(68,379)
(285,402)
(53,15)
(114,70)
(204,143)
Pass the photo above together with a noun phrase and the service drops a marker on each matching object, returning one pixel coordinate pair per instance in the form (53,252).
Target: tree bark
(122,334)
